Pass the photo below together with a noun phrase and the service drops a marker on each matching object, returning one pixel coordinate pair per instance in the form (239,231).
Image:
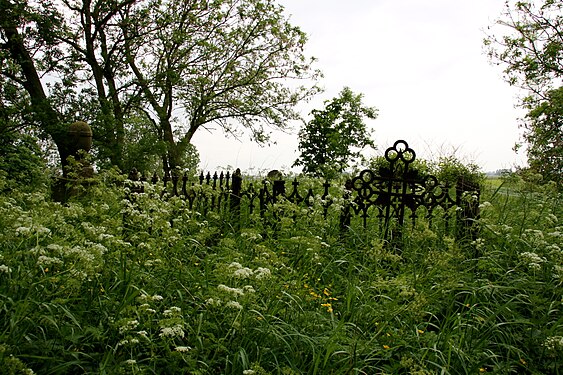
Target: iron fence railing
(390,198)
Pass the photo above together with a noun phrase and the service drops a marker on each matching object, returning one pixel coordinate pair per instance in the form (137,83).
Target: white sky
(421,63)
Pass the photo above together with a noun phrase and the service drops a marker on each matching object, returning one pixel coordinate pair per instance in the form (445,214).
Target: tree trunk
(47,118)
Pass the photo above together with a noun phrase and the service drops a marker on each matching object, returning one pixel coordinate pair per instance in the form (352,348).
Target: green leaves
(335,135)
(530,49)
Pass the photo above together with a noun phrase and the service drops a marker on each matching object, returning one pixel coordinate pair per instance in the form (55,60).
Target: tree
(221,62)
(529,46)
(178,66)
(26,32)
(335,135)
(544,123)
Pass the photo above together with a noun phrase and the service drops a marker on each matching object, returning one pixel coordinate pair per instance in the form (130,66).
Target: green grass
(103,286)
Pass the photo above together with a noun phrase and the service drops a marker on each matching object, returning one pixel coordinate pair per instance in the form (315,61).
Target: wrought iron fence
(391,198)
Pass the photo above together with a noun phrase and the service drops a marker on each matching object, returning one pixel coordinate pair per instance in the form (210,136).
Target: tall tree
(335,135)
(529,46)
(544,122)
(179,65)
(229,63)
(27,31)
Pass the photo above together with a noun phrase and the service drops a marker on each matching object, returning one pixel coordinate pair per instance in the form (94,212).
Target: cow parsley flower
(233,291)
(174,331)
(533,260)
(262,273)
(554,343)
(243,273)
(182,349)
(234,305)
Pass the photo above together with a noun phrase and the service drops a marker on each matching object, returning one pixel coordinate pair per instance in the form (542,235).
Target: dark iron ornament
(386,197)
(397,190)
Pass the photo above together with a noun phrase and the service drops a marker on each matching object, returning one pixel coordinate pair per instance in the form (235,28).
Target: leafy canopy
(335,135)
(168,67)
(528,44)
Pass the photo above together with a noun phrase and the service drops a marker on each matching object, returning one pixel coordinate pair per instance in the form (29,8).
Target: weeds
(107,285)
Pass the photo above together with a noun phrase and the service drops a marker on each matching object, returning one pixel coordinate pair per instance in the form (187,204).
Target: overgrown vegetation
(108,285)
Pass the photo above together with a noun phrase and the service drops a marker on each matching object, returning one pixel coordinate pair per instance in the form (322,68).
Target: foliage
(529,46)
(545,121)
(184,65)
(449,169)
(330,141)
(418,168)
(146,285)
(22,160)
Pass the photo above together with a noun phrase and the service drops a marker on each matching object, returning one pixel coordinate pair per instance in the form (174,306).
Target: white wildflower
(172,311)
(485,205)
(262,273)
(182,349)
(248,372)
(22,231)
(552,218)
(128,325)
(248,289)
(533,260)
(130,362)
(243,273)
(47,261)
(234,305)
(233,291)
(213,302)
(235,265)
(174,331)
(554,343)
(5,269)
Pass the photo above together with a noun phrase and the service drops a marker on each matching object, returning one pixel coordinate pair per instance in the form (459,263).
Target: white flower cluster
(533,260)
(479,243)
(485,205)
(554,343)
(128,325)
(182,349)
(175,331)
(32,230)
(5,269)
(147,298)
(552,219)
(227,289)
(262,273)
(234,305)
(173,311)
(43,261)
(251,235)
(124,342)
(147,308)
(241,272)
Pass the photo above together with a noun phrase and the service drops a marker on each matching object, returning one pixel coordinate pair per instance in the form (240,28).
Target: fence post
(468,209)
(278,189)
(236,189)
(345,214)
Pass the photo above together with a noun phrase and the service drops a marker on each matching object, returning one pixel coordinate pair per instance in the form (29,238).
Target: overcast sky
(421,63)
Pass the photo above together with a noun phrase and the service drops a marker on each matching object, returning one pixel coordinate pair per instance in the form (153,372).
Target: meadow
(106,285)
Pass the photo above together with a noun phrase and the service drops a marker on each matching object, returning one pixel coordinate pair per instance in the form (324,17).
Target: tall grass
(106,285)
